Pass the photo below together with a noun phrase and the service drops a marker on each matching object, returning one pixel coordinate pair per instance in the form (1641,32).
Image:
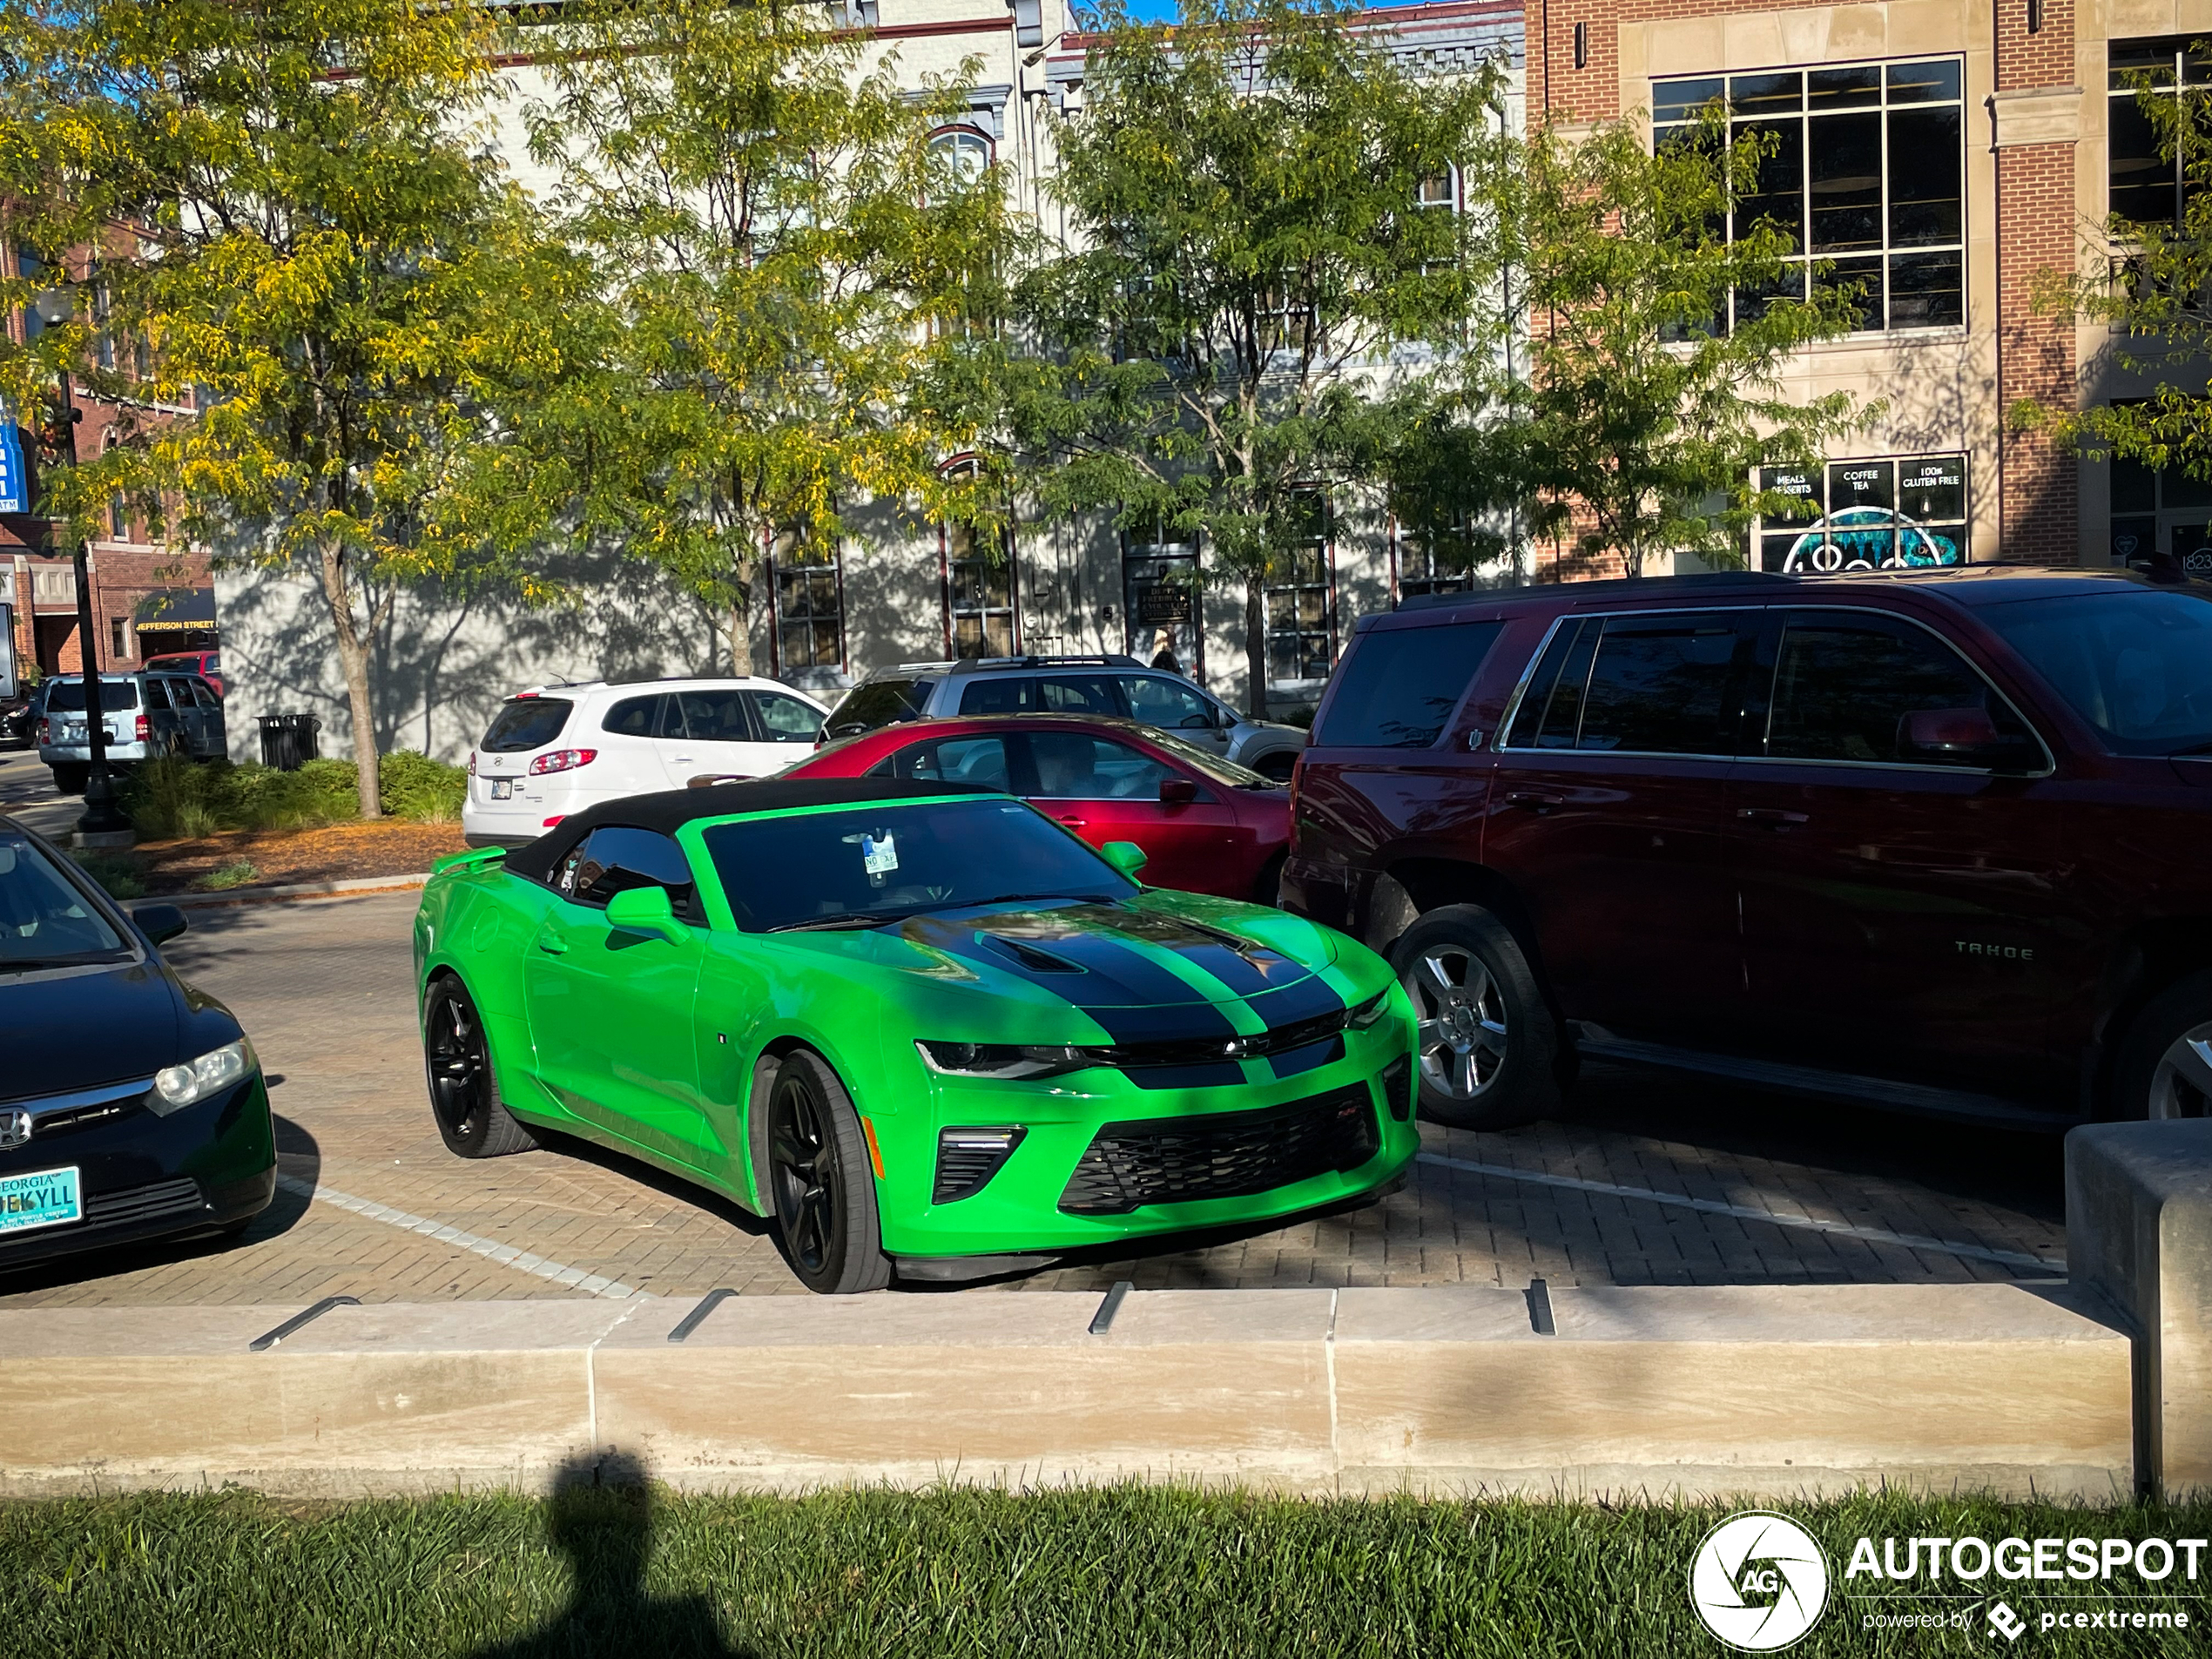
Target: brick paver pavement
(323,988)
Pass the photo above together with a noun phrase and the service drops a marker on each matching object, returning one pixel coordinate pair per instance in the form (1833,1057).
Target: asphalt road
(1644,1178)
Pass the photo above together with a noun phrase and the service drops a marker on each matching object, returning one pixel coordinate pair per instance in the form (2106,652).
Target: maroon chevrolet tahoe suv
(1934,841)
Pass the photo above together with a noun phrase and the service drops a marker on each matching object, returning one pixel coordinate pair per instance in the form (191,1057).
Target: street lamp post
(102,823)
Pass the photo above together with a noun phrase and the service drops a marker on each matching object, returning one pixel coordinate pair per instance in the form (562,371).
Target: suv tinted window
(615,858)
(1170,704)
(1843,684)
(115,696)
(1401,684)
(783,720)
(633,716)
(526,723)
(879,703)
(1643,685)
(157,695)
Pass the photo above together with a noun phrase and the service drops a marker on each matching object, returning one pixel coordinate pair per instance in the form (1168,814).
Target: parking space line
(1745,1212)
(506,1255)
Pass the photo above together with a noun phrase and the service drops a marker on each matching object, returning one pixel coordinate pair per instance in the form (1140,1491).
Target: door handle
(1073,823)
(549,941)
(1532,798)
(1775,816)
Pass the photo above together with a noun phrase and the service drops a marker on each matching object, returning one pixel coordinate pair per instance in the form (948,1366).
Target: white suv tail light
(562,760)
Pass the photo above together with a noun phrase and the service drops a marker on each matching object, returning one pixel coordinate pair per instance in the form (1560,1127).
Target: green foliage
(320,250)
(1242,193)
(782,260)
(236,874)
(1114,1573)
(2151,283)
(118,873)
(175,799)
(1634,419)
(427,791)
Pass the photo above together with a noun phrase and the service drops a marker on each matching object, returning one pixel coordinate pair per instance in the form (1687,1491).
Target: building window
(1865,176)
(808,582)
(2145,185)
(980,618)
(2158,509)
(1439,190)
(965,152)
(1440,560)
(1872,514)
(118,639)
(1160,592)
(1301,623)
(118,520)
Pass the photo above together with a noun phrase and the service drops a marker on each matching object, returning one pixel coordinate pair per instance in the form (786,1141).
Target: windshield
(115,696)
(44,920)
(1221,770)
(2136,665)
(878,703)
(873,864)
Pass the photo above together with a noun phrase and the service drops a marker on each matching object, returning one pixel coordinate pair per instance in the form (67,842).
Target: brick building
(1947,153)
(135,579)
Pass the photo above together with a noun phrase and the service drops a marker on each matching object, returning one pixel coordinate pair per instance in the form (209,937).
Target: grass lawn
(1135,1571)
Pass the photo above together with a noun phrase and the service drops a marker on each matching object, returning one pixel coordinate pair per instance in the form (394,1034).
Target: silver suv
(1120,686)
(147,715)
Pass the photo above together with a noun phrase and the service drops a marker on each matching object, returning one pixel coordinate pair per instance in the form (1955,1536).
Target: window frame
(2180,86)
(1887,251)
(1502,743)
(1324,545)
(691,912)
(778,567)
(1009,568)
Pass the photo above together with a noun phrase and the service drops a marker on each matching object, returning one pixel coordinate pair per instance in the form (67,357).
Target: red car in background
(1206,824)
(208,664)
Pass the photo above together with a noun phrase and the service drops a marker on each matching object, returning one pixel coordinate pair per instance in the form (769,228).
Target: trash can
(289,740)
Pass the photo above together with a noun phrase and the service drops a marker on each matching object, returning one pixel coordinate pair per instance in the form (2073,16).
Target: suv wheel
(2165,1059)
(1489,1048)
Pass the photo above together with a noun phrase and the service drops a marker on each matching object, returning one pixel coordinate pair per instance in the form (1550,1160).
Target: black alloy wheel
(821,1182)
(464,1090)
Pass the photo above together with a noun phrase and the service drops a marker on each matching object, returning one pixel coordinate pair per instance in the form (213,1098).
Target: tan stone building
(1947,153)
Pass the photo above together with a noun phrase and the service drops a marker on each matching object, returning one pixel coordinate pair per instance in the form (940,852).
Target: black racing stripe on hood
(1326,1051)
(1306,999)
(1163,1023)
(1114,975)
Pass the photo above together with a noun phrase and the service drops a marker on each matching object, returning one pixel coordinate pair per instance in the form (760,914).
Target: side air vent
(967,1159)
(1397,1087)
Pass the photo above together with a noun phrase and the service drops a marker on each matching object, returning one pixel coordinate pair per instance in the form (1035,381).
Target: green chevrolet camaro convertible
(924,1028)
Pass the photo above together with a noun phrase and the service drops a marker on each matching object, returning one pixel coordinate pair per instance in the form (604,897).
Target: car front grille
(1224,1154)
(133,1205)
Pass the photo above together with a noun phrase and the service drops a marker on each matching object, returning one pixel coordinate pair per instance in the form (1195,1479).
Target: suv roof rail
(1094,660)
(1698,581)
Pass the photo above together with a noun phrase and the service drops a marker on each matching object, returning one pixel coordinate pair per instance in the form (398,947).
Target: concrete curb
(280,895)
(1661,1392)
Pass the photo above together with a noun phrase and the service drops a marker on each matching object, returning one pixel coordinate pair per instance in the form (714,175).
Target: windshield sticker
(878,855)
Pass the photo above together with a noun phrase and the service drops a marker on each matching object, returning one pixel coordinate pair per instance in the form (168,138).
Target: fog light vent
(967,1159)
(1397,1087)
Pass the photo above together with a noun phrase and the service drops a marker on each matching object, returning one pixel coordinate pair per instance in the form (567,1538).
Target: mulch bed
(335,852)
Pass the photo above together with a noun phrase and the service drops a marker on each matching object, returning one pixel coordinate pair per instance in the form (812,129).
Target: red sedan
(1209,825)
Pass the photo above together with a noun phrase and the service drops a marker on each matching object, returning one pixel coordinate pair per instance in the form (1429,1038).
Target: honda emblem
(15,1128)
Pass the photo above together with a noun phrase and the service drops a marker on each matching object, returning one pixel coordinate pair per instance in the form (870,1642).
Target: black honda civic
(132,1106)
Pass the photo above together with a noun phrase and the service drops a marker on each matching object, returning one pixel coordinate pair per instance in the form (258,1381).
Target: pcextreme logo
(1758,1581)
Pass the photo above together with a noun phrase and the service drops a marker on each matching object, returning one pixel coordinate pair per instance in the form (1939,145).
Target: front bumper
(1095,1147)
(144,1175)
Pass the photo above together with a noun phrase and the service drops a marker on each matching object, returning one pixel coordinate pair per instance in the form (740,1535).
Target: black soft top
(669,810)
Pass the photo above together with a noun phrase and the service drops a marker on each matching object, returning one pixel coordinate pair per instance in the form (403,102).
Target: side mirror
(646,910)
(1126,856)
(160,922)
(1178,791)
(1195,723)
(1962,737)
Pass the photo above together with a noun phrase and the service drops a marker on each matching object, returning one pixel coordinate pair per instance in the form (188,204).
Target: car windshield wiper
(1037,898)
(2194,749)
(851,919)
(32,964)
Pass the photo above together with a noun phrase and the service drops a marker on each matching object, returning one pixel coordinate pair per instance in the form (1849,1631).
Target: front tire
(70,779)
(464,1087)
(821,1182)
(2165,1069)
(1489,1048)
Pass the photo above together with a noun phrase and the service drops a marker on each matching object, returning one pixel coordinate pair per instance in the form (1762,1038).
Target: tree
(785,256)
(284,207)
(2150,282)
(1636,412)
(1245,193)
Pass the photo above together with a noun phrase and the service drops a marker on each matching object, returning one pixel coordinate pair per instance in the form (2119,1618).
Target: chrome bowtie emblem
(15,1128)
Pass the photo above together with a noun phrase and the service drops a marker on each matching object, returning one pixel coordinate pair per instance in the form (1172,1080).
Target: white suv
(557,749)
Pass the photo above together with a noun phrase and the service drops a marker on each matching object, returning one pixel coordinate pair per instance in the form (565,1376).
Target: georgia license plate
(45,1199)
(502,789)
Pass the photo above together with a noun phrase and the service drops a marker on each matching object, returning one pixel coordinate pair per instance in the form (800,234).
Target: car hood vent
(1026,955)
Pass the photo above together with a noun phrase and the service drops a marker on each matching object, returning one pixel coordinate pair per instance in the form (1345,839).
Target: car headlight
(1002,1060)
(178,1087)
(1369,1011)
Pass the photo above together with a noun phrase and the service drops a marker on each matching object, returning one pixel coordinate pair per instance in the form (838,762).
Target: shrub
(236,874)
(174,797)
(414,785)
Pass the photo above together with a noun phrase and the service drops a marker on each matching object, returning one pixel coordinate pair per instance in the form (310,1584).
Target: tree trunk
(1256,644)
(352,659)
(740,639)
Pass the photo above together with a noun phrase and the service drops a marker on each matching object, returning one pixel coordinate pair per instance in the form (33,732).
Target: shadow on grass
(602,1518)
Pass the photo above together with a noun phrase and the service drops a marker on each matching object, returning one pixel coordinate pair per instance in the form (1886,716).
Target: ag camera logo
(1759,1581)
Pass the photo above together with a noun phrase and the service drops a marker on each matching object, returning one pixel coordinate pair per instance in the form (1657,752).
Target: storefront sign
(15,482)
